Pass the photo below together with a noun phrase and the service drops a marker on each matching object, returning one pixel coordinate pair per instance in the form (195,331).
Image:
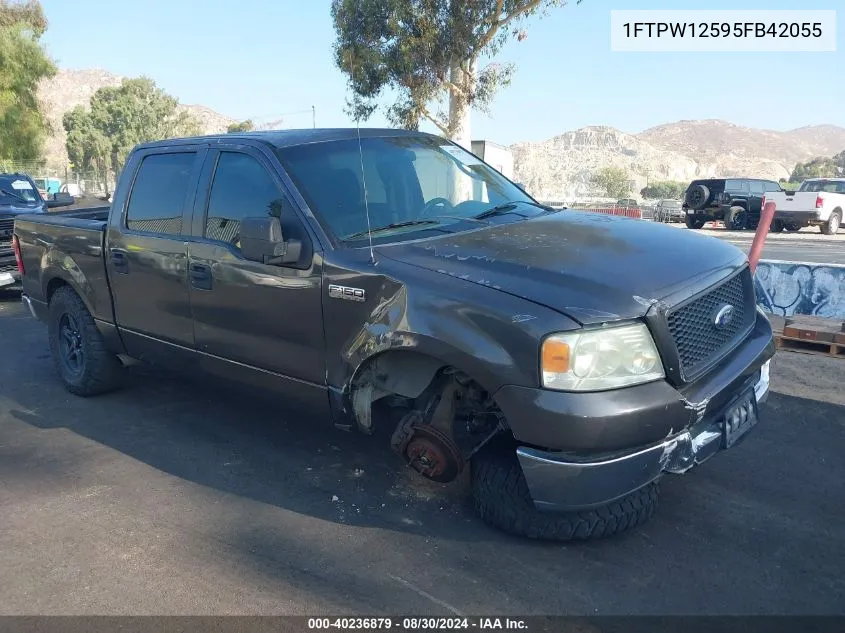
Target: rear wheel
(502,499)
(737,219)
(693,222)
(831,227)
(79,352)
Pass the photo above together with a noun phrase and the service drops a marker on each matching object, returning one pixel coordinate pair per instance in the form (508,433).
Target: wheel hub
(434,455)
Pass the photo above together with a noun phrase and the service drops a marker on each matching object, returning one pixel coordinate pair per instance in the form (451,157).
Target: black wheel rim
(71,353)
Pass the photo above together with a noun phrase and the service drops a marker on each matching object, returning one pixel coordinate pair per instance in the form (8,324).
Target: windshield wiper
(12,194)
(388,227)
(507,207)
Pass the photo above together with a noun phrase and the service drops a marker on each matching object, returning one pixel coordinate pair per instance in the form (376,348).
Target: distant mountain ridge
(560,167)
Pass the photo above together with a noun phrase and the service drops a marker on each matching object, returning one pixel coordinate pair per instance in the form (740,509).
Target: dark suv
(735,201)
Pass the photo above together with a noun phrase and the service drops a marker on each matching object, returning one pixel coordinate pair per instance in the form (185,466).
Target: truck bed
(71,241)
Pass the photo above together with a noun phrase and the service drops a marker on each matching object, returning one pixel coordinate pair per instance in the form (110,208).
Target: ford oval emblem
(723,317)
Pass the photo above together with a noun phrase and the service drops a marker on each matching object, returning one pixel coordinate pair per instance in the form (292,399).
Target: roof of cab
(288,138)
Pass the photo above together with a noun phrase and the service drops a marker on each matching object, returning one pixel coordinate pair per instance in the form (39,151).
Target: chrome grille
(692,325)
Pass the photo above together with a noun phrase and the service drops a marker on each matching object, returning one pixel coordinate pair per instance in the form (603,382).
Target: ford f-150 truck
(818,202)
(568,359)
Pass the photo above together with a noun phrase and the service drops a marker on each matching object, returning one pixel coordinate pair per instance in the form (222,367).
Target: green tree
(668,189)
(816,168)
(23,64)
(839,161)
(614,182)
(428,53)
(243,126)
(788,185)
(121,117)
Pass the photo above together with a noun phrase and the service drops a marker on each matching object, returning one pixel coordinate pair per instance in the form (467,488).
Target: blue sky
(264,58)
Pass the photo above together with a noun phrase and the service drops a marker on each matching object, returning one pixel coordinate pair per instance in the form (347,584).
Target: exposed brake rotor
(433,454)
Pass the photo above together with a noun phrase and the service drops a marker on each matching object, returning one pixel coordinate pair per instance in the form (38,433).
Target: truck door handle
(200,276)
(119,261)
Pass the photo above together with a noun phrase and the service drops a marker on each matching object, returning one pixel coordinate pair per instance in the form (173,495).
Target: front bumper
(9,274)
(599,447)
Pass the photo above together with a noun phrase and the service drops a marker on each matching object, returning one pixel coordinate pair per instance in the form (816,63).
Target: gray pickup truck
(569,359)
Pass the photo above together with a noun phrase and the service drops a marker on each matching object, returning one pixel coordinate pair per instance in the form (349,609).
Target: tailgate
(799,201)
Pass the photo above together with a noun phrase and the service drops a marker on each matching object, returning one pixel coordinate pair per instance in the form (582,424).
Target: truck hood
(591,267)
(12,209)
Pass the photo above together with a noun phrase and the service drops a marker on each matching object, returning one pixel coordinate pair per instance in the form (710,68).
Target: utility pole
(314,116)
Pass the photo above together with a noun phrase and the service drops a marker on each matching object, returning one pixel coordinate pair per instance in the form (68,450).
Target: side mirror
(262,241)
(59,200)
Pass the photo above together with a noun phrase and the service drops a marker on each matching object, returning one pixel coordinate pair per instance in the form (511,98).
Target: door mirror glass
(261,240)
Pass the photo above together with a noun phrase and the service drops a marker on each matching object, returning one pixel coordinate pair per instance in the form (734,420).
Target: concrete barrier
(789,288)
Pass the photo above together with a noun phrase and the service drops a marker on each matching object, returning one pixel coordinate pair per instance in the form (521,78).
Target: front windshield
(16,190)
(419,182)
(819,186)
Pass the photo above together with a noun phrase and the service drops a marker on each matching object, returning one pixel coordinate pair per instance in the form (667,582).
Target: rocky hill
(560,168)
(70,88)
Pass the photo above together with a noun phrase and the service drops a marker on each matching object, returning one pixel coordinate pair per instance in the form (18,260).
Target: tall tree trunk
(460,122)
(460,119)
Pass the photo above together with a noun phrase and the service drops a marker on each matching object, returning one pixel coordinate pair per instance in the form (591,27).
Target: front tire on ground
(501,498)
(79,352)
(792,227)
(776,226)
(831,227)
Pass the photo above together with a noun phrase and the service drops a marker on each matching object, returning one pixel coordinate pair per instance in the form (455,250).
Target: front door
(254,322)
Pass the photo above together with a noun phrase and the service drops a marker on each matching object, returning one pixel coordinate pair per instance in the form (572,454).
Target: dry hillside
(560,167)
(70,88)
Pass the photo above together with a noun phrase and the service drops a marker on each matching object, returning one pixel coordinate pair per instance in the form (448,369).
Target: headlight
(595,360)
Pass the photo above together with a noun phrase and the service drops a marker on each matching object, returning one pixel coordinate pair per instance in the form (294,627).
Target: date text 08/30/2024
(414,623)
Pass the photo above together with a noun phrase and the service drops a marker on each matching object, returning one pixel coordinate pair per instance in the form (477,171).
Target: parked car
(627,203)
(735,201)
(567,356)
(818,202)
(668,211)
(18,195)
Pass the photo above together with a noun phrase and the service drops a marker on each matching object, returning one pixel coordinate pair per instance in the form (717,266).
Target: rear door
(147,254)
(258,323)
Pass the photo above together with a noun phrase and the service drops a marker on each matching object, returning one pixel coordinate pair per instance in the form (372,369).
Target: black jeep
(735,201)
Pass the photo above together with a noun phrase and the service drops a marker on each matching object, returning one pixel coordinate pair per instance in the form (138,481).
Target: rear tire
(693,222)
(831,227)
(501,498)
(737,219)
(80,356)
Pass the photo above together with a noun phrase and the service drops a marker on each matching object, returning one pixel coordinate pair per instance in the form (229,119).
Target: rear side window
(773,186)
(736,185)
(159,194)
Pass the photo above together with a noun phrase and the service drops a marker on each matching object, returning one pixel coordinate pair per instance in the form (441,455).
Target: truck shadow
(240,442)
(777,497)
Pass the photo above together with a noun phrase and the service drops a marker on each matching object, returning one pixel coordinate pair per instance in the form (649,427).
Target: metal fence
(89,183)
(648,211)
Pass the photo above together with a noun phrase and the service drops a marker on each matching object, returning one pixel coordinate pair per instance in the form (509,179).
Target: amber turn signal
(555,356)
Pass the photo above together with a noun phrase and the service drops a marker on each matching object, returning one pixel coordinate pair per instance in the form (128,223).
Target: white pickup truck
(818,202)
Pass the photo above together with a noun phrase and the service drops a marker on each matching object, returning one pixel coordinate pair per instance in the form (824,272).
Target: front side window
(757,187)
(159,193)
(419,182)
(18,190)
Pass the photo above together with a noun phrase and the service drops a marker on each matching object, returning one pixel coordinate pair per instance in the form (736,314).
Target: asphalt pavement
(807,245)
(171,497)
